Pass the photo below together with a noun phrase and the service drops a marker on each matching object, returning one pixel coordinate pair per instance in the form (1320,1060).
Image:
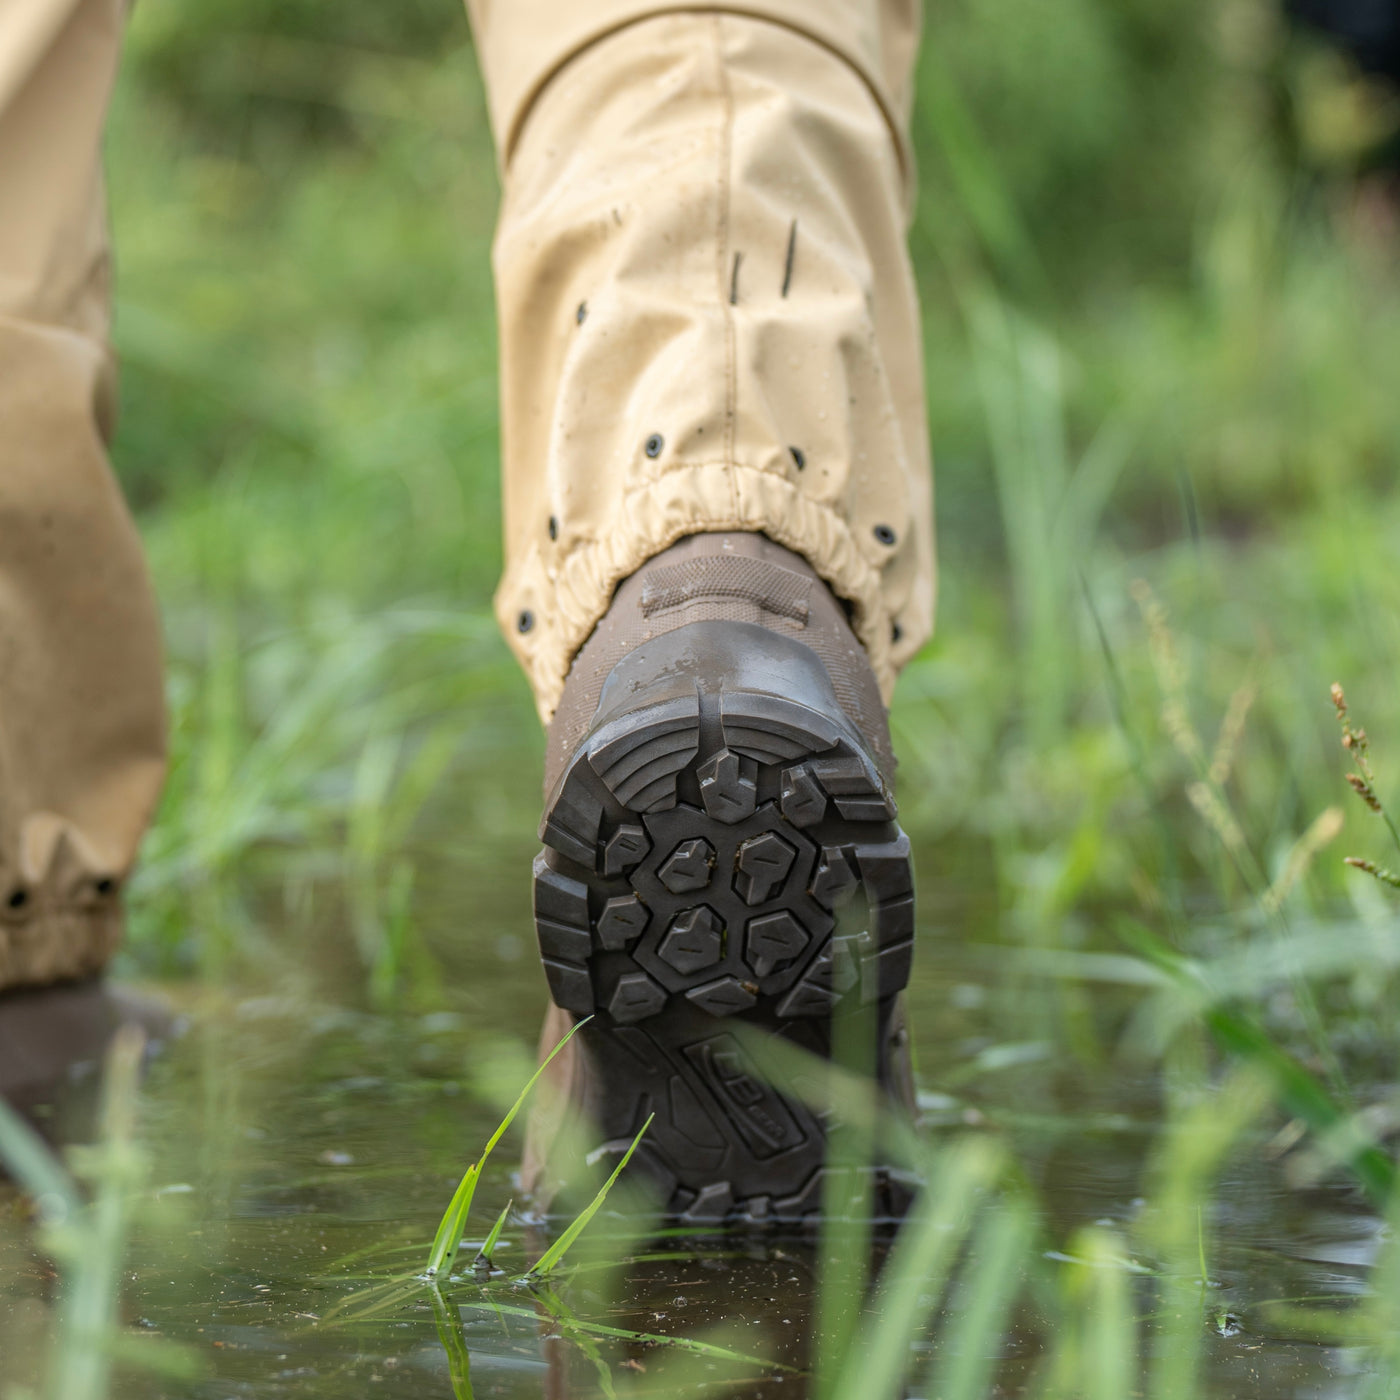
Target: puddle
(301,1153)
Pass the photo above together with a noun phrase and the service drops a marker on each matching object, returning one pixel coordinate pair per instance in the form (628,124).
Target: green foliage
(254,74)
(554,1255)
(916,1276)
(454,1219)
(1160,321)
(483,1258)
(85,1233)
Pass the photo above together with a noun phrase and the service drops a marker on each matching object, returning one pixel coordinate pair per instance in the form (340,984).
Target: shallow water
(301,1150)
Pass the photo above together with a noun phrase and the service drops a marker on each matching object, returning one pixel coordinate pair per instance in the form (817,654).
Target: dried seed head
(1325,827)
(1231,732)
(1216,815)
(1365,791)
(1179,728)
(1170,671)
(1386,877)
(1353,737)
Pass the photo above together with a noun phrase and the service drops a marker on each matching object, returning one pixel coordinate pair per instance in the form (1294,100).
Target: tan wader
(707,322)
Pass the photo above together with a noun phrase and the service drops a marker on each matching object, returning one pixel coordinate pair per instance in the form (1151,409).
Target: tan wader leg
(707,322)
(81,719)
(707,315)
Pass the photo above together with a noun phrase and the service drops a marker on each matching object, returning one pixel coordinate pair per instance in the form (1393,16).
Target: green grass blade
(90,1248)
(1304,1097)
(983,194)
(843,1258)
(1110,1328)
(695,1346)
(912,1285)
(1095,1336)
(999,1252)
(454,1218)
(1298,1092)
(378,1300)
(449,1329)
(525,1092)
(1201,1136)
(483,1255)
(830,1088)
(31,1163)
(1382,1319)
(550,1258)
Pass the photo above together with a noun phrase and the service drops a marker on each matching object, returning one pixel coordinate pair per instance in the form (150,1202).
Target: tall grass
(84,1213)
(1159,327)
(454,1219)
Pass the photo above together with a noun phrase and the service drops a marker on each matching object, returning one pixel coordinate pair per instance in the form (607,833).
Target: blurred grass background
(1158,246)
(1160,299)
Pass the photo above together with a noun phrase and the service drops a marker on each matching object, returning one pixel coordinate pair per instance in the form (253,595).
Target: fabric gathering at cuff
(708,322)
(547,609)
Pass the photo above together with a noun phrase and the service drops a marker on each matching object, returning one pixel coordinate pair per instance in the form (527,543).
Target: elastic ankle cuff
(548,613)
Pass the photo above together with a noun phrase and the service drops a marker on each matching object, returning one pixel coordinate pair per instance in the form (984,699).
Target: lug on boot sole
(708,858)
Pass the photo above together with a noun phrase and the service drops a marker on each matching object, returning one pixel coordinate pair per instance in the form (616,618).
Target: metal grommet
(525,621)
(799,457)
(654,443)
(884,534)
(581,315)
(554,527)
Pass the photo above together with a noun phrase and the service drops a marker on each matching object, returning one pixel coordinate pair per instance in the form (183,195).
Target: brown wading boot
(721,858)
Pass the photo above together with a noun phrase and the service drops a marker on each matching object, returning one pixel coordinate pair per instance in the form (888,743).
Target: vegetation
(1161,300)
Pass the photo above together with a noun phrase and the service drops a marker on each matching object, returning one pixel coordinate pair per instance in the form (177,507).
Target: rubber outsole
(716,854)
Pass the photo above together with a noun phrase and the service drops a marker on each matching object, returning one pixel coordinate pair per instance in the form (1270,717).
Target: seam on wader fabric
(726,309)
(510,138)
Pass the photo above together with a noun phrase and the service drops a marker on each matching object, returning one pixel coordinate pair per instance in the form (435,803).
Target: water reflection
(53,1040)
(301,1152)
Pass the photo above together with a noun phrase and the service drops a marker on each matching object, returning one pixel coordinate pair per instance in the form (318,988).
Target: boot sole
(713,856)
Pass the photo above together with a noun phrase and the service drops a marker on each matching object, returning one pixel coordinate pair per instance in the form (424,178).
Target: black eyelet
(525,621)
(553,527)
(654,444)
(799,457)
(884,534)
(581,315)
